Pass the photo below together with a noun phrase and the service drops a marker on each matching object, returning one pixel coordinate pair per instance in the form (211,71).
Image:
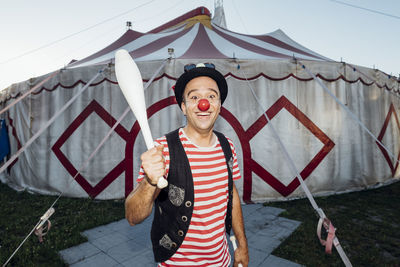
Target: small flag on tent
(4,142)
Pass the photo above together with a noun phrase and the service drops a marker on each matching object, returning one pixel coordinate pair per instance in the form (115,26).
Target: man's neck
(202,139)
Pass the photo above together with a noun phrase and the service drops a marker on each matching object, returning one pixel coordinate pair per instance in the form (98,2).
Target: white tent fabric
(331,152)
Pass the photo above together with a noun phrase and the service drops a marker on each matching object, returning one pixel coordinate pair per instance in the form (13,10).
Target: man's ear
(183,107)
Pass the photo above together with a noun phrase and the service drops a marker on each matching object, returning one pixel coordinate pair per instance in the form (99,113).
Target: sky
(38,37)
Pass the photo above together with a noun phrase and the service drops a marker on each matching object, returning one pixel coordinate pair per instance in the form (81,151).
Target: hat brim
(186,77)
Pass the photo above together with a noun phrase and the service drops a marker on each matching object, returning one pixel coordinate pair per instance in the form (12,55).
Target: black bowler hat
(202,69)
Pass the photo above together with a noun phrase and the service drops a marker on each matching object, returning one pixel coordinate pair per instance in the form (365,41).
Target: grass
(20,211)
(367,222)
(367,225)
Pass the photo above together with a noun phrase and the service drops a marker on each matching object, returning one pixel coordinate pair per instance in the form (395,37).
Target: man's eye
(212,97)
(194,97)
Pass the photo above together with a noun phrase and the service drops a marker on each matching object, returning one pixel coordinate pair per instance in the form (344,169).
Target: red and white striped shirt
(205,243)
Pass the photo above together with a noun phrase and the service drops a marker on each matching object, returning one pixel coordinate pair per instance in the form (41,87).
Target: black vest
(174,205)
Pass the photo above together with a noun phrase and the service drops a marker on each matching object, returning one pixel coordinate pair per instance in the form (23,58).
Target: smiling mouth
(203,114)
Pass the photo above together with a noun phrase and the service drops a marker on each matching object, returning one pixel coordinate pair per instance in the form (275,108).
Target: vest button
(180,233)
(188,204)
(184,218)
(173,245)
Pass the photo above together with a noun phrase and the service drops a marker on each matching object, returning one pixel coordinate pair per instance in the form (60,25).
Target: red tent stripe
(128,37)
(202,47)
(249,46)
(157,44)
(273,41)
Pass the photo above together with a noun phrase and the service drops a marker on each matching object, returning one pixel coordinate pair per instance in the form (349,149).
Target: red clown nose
(203,105)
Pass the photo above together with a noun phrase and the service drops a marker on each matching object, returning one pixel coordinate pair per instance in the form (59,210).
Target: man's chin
(202,127)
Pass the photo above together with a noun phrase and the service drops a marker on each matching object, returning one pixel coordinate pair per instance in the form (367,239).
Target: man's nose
(203,104)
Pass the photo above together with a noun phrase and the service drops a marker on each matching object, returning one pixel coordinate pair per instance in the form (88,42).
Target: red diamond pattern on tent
(92,191)
(249,164)
(284,103)
(391,112)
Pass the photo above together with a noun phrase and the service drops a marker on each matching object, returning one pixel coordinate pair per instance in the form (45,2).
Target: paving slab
(278,262)
(145,260)
(126,251)
(79,253)
(119,244)
(109,240)
(101,259)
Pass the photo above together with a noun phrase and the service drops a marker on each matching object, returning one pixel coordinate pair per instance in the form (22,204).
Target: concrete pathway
(119,244)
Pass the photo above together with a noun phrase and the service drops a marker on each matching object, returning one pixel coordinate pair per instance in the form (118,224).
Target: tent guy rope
(348,111)
(84,164)
(49,212)
(48,123)
(28,92)
(327,224)
(323,220)
(38,228)
(38,225)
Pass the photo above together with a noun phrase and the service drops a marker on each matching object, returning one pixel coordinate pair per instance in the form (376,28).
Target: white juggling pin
(131,84)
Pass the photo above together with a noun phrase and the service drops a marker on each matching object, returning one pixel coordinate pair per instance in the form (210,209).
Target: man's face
(201,88)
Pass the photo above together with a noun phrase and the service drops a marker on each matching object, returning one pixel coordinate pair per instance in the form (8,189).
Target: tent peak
(200,14)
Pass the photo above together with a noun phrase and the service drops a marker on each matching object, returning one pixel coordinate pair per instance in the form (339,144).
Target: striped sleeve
(236,172)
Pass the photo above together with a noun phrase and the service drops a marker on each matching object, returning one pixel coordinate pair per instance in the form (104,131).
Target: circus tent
(267,75)
(195,36)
